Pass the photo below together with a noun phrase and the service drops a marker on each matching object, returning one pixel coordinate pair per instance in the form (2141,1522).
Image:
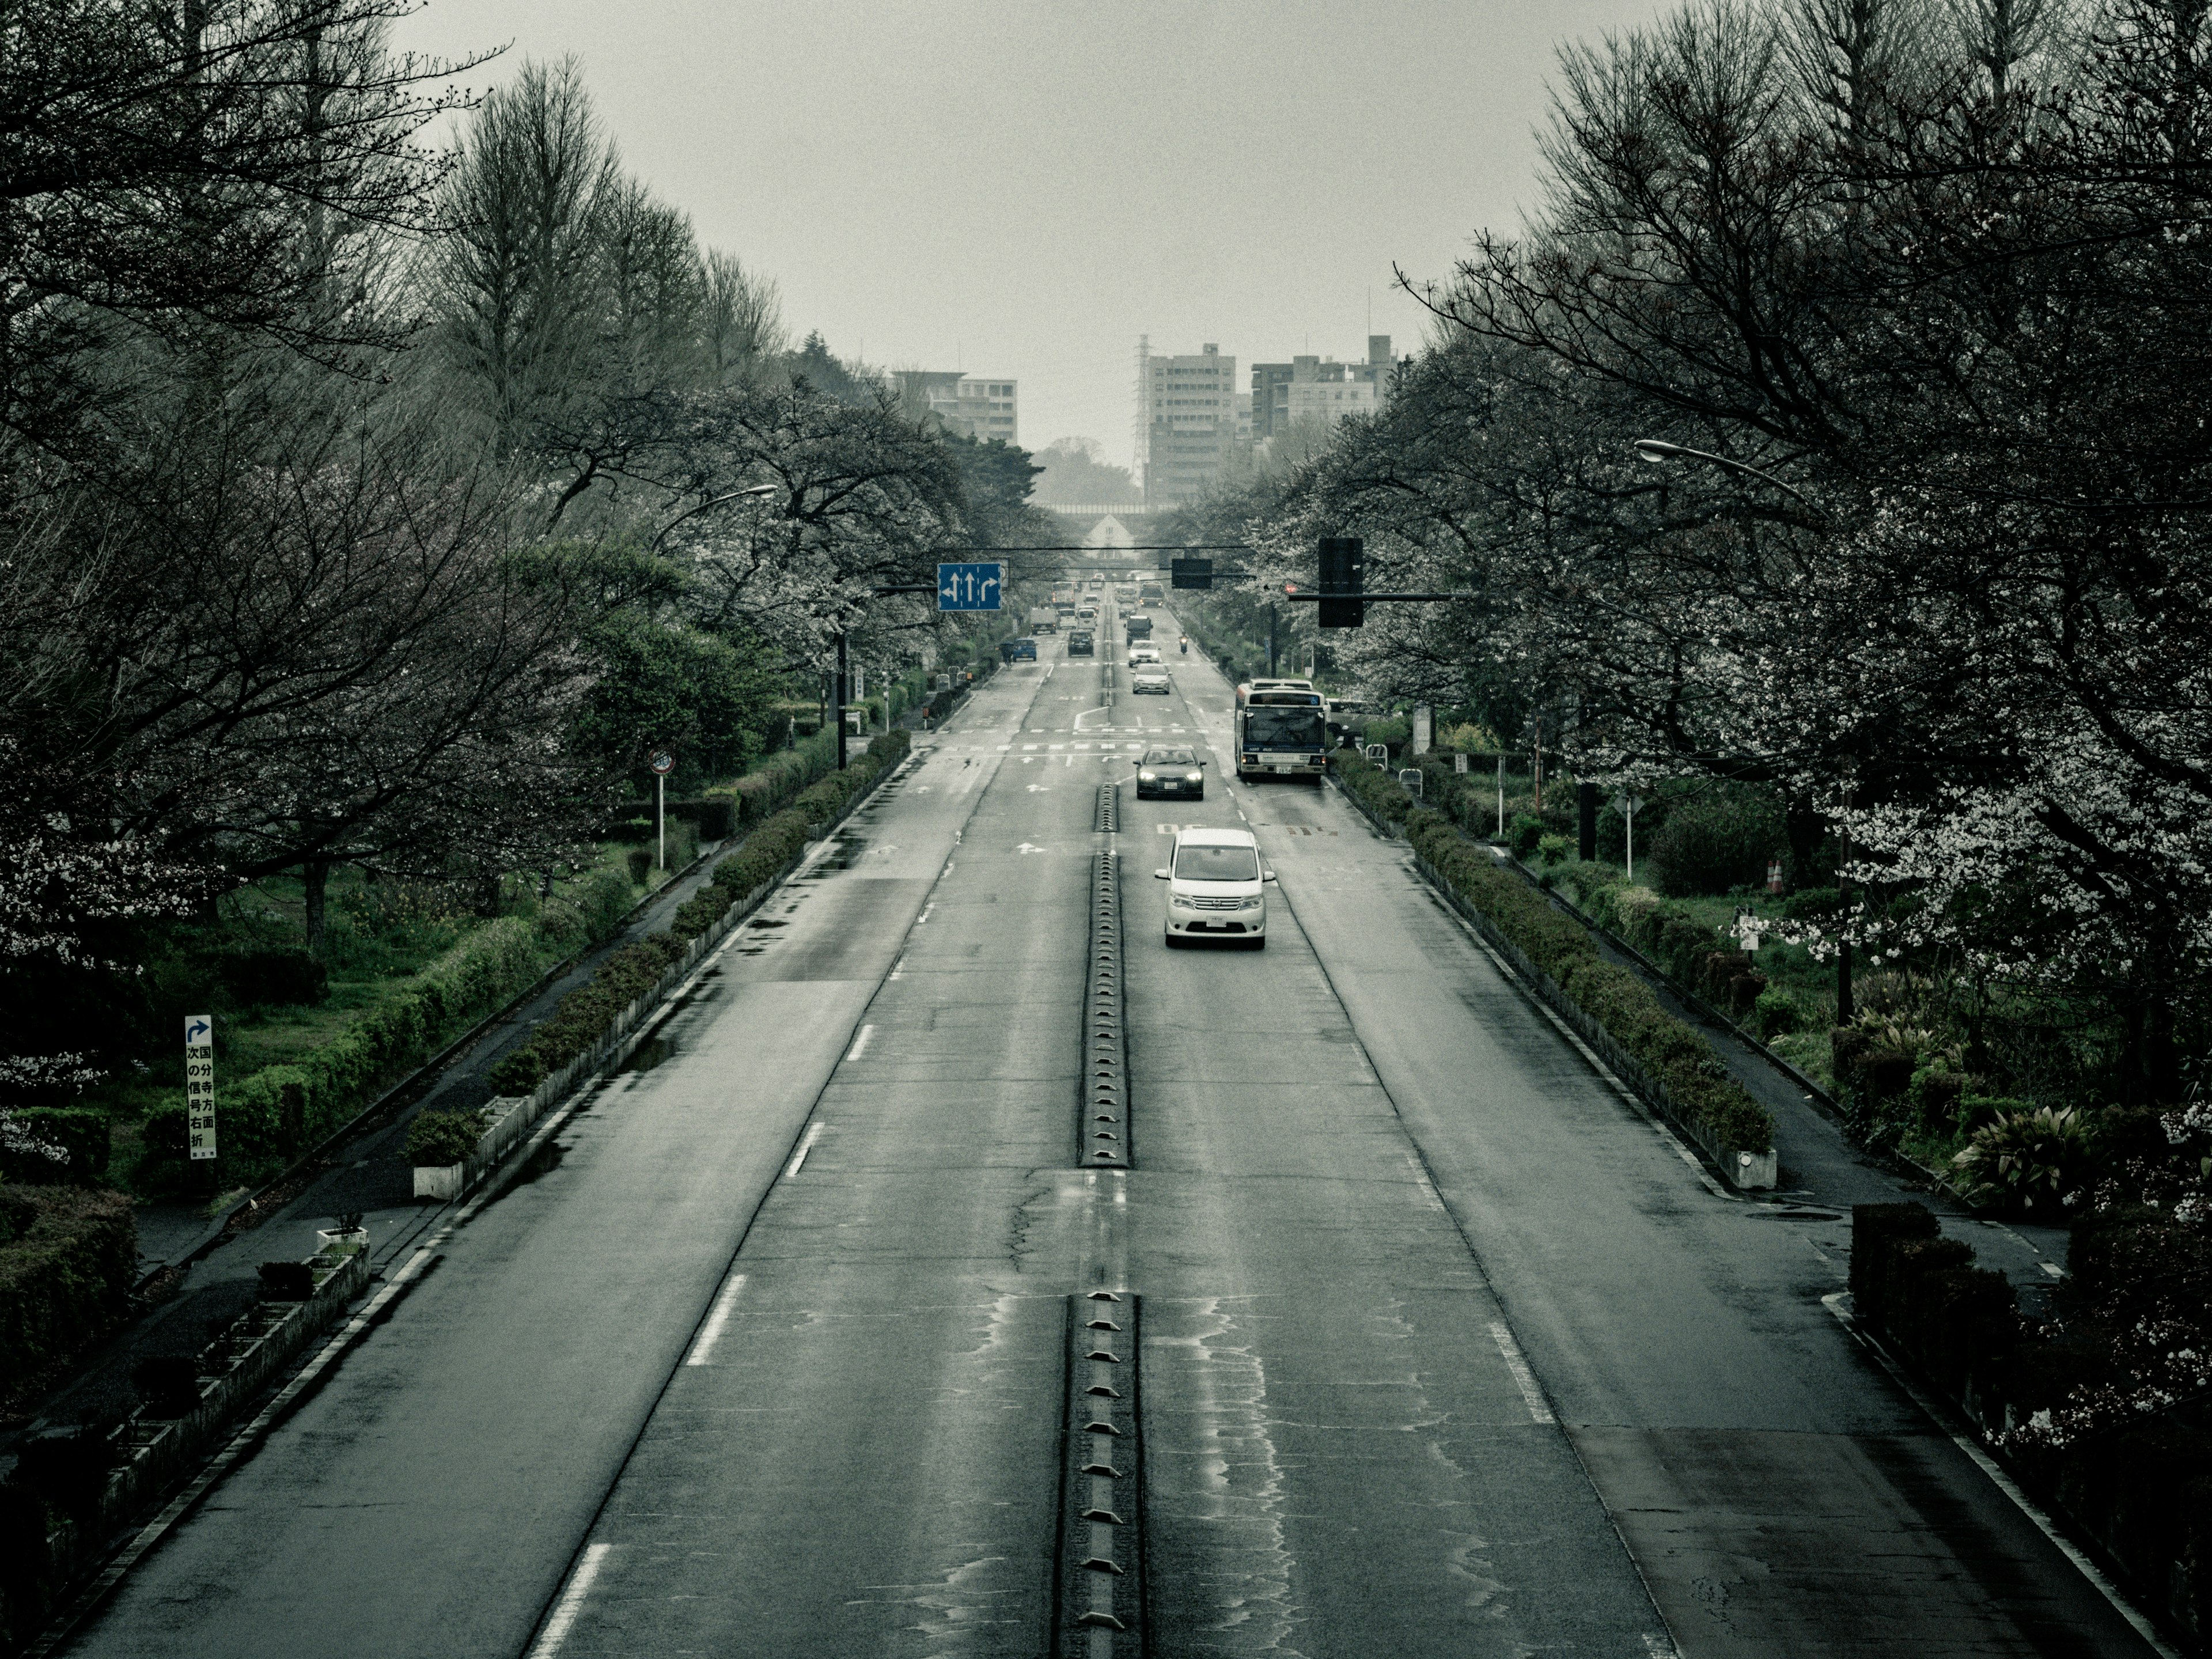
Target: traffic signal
(1191,572)
(1343,574)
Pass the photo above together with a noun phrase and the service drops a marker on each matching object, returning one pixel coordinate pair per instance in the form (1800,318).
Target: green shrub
(1934,1094)
(273,977)
(1555,849)
(436,1138)
(2027,1159)
(65,1278)
(56,1143)
(1976,1110)
(1371,787)
(1811,904)
(1719,839)
(1525,835)
(267,1119)
(1776,1013)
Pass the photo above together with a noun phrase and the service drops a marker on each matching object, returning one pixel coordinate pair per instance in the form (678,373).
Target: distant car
(1081,643)
(1149,680)
(1020,650)
(1139,627)
(1086,613)
(1171,772)
(1142,652)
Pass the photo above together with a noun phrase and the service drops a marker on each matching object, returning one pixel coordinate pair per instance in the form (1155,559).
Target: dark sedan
(1171,772)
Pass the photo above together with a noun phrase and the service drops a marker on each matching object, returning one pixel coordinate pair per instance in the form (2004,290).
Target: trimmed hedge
(761,793)
(1371,787)
(269,1117)
(436,1140)
(584,1015)
(65,1276)
(1677,1057)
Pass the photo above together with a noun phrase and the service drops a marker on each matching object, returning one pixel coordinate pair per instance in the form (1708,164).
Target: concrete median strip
(1099,1571)
(1104,1139)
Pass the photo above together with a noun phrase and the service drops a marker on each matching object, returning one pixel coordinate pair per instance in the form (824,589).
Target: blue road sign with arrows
(968,586)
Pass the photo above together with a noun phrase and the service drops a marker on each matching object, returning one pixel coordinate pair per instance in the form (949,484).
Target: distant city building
(1322,387)
(976,406)
(1186,409)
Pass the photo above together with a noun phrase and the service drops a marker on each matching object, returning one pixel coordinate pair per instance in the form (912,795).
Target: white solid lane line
(860,1043)
(1523,1377)
(806,1146)
(571,1603)
(704,1347)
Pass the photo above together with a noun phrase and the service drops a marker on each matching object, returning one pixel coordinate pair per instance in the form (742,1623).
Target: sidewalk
(369,1173)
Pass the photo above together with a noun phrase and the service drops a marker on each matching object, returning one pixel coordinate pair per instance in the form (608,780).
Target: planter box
(154,1454)
(439,1180)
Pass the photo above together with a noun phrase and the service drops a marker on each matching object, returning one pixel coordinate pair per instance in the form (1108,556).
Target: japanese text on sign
(199,1085)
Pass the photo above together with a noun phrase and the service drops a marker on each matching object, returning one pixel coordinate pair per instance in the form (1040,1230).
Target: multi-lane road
(1423,1339)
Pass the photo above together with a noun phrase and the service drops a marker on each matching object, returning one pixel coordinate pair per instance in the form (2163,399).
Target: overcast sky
(1023,189)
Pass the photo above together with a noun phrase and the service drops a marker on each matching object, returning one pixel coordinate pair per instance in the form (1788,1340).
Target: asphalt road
(1446,1348)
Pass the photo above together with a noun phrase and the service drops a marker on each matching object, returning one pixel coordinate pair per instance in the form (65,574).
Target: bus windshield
(1216,864)
(1283,728)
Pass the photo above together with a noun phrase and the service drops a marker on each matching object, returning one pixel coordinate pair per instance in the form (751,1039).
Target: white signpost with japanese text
(199,1085)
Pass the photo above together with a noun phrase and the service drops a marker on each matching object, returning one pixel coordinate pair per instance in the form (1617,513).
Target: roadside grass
(380,937)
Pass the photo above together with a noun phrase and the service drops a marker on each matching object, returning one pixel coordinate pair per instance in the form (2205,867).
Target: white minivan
(1217,888)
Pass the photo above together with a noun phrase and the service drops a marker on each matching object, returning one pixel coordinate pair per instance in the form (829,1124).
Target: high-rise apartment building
(1321,387)
(976,406)
(1186,419)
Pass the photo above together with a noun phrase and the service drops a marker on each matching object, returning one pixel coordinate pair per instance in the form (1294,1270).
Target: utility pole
(1271,636)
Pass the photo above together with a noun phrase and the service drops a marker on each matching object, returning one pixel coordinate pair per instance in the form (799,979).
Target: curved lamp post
(1657,451)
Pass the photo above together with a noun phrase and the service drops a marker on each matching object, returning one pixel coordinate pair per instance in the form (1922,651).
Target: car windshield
(1171,758)
(1216,864)
(1283,728)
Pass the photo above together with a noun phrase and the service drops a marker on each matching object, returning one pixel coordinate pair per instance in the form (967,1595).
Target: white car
(1149,680)
(1143,651)
(1216,888)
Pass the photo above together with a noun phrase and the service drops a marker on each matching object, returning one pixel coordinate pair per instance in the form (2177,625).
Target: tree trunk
(1801,824)
(315,877)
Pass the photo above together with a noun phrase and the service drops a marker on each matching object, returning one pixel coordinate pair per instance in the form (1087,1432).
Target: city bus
(1280,733)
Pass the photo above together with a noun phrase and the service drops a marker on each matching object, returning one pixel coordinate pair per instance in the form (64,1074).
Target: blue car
(1021,650)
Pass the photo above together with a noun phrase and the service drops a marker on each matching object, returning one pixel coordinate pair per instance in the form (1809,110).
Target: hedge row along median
(1676,1057)
(584,1013)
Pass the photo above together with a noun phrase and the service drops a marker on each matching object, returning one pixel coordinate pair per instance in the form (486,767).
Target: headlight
(1181,903)
(1254,903)
(1194,777)
(1145,777)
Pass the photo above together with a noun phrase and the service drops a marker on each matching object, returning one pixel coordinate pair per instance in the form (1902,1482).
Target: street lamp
(1658,453)
(750,492)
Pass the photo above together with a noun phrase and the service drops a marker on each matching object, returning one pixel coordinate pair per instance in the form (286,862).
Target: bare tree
(743,326)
